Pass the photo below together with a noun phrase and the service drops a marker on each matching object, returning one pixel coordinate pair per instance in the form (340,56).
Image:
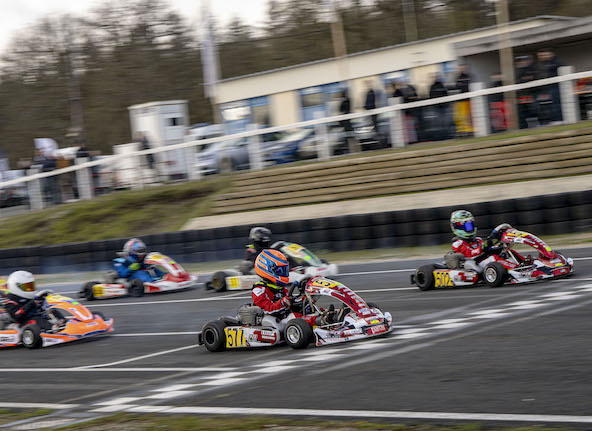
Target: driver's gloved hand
(286,302)
(134,267)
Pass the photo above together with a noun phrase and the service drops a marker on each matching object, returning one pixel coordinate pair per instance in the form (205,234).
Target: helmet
(135,247)
(272,266)
(261,236)
(22,284)
(462,224)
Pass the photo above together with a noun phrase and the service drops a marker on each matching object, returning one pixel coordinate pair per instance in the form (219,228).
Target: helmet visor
(467,226)
(282,271)
(27,287)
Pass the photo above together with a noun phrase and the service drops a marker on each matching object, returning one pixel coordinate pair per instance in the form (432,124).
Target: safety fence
(321,139)
(541,215)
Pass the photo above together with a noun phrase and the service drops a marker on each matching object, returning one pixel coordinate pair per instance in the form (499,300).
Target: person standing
(548,67)
(370,102)
(525,72)
(462,109)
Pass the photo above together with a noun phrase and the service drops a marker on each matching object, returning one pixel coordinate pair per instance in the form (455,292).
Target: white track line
(379,414)
(38,406)
(138,358)
(106,369)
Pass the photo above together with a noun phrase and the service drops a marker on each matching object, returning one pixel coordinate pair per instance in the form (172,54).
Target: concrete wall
(284,108)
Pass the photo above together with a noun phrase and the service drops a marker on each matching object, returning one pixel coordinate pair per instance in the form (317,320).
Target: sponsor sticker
(377,329)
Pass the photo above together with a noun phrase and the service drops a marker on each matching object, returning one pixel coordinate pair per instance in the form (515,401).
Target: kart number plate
(235,337)
(442,279)
(98,290)
(233,282)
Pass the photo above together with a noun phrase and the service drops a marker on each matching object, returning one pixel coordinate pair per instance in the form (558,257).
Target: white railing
(394,112)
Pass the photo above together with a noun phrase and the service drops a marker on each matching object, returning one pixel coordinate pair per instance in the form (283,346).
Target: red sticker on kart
(376,329)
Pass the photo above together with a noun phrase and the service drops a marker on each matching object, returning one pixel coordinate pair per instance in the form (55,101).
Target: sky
(16,15)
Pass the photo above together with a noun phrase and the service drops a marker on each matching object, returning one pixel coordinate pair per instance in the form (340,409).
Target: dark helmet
(261,236)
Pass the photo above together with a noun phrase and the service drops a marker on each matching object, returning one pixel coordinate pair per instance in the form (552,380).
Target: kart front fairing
(304,262)
(355,318)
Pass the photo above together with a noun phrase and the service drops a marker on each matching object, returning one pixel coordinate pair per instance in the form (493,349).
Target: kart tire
(495,274)
(219,281)
(87,291)
(213,335)
(31,336)
(136,288)
(424,277)
(298,334)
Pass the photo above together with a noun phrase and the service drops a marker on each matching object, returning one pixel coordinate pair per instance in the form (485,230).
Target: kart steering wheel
(300,287)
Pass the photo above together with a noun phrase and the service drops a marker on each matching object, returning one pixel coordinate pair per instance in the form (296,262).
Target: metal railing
(393,115)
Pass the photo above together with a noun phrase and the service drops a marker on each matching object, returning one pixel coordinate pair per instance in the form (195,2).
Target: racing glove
(285,301)
(134,266)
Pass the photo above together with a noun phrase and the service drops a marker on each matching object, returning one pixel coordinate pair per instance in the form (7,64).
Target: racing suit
(469,249)
(128,266)
(277,304)
(23,310)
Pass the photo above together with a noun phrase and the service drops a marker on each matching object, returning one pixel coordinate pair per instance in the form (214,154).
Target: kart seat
(111,277)
(454,260)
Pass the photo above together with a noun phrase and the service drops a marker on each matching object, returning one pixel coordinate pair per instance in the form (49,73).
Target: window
(175,121)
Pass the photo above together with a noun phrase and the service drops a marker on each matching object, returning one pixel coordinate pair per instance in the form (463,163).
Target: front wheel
(298,334)
(88,292)
(31,336)
(424,277)
(219,281)
(136,288)
(213,335)
(495,274)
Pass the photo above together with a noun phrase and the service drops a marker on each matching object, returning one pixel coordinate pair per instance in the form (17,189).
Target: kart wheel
(424,277)
(87,291)
(31,336)
(213,336)
(219,281)
(495,274)
(136,288)
(298,334)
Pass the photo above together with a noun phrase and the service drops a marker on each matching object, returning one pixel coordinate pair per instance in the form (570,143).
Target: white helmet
(21,283)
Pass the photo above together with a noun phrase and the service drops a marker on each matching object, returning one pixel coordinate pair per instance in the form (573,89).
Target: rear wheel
(495,274)
(213,335)
(136,288)
(88,292)
(298,334)
(424,277)
(219,281)
(31,336)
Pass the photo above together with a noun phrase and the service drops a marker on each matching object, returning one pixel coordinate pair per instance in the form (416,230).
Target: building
(302,92)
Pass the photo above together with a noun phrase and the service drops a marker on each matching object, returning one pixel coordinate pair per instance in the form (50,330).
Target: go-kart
(499,264)
(303,262)
(70,321)
(162,274)
(318,319)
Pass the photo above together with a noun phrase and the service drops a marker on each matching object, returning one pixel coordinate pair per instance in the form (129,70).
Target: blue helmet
(136,248)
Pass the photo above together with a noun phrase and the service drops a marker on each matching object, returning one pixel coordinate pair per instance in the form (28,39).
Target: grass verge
(257,423)
(117,215)
(8,416)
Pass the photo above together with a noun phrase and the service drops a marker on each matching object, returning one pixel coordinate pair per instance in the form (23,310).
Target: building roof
(549,34)
(552,18)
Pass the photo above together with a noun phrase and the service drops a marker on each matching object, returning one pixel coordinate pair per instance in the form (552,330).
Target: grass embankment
(8,416)
(221,423)
(117,215)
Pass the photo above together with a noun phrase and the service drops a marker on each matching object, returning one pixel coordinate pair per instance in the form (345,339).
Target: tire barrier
(542,215)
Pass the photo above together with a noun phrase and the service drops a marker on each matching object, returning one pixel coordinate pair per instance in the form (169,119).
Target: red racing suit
(270,300)
(469,248)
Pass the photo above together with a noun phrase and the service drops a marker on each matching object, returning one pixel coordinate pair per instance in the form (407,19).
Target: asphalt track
(512,354)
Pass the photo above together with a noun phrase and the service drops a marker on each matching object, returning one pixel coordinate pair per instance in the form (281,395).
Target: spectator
(548,67)
(497,105)
(51,190)
(370,102)
(344,109)
(82,152)
(145,145)
(462,109)
(437,116)
(525,72)
(405,91)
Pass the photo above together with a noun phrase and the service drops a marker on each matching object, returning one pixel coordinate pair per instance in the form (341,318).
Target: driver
(270,293)
(260,240)
(22,303)
(131,258)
